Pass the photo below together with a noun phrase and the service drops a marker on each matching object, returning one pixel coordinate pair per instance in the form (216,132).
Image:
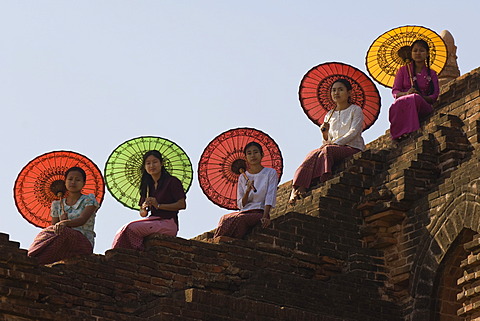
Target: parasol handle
(148,195)
(409,73)
(64,215)
(246,177)
(323,129)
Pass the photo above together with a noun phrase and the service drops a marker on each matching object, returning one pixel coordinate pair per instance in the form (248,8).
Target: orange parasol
(223,159)
(41,182)
(315,98)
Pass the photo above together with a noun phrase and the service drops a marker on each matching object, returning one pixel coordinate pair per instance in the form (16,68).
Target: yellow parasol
(391,50)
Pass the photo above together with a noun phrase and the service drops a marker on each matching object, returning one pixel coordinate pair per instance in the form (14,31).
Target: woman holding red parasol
(256,195)
(73,218)
(342,137)
(162,195)
(415,89)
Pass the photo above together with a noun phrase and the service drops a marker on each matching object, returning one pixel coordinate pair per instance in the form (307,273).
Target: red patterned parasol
(218,168)
(41,182)
(315,98)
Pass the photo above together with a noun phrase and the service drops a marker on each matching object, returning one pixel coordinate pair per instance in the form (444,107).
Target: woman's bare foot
(296,194)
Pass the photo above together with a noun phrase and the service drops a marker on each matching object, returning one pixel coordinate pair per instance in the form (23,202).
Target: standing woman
(162,195)
(415,89)
(73,218)
(342,137)
(255,196)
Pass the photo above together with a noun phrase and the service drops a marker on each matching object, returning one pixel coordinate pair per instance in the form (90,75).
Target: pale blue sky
(87,75)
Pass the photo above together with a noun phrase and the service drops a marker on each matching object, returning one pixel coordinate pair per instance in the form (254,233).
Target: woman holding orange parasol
(256,195)
(415,89)
(342,137)
(73,218)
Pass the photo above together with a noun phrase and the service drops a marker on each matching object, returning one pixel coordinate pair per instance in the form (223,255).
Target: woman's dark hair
(253,144)
(424,44)
(76,169)
(345,82)
(147,180)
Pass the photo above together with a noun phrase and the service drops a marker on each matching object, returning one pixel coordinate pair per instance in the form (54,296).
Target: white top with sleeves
(346,127)
(265,182)
(74,212)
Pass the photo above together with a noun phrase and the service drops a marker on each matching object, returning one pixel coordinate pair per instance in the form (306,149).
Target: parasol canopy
(390,50)
(220,163)
(315,87)
(42,181)
(123,169)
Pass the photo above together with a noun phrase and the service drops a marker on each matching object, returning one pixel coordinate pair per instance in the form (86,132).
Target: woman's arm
(266,216)
(399,88)
(436,88)
(270,197)
(181,204)
(87,212)
(247,193)
(241,192)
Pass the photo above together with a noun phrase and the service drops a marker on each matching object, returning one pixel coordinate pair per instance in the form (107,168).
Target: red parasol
(315,98)
(41,182)
(220,163)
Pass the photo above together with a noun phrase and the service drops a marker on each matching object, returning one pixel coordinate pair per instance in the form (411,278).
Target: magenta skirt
(131,235)
(405,114)
(237,224)
(49,247)
(319,163)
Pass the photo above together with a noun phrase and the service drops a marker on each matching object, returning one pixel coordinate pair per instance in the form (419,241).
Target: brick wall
(386,238)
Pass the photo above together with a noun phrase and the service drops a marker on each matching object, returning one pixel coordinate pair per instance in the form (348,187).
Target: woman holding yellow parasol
(415,89)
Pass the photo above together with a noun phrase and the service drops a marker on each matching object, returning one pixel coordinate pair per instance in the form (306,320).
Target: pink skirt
(131,235)
(49,247)
(405,112)
(319,164)
(237,224)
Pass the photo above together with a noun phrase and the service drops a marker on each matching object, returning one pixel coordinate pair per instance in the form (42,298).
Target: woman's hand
(325,127)
(151,201)
(428,99)
(265,221)
(59,227)
(64,216)
(412,90)
(144,209)
(249,186)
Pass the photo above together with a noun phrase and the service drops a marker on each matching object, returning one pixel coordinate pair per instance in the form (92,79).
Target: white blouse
(265,182)
(346,127)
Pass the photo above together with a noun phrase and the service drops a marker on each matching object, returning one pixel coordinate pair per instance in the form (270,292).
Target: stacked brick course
(389,237)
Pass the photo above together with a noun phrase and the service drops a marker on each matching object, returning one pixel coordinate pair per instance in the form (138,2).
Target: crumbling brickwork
(392,236)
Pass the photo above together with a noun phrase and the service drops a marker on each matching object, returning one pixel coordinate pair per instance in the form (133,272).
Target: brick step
(195,304)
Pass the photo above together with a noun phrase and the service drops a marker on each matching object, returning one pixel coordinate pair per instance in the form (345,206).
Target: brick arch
(450,225)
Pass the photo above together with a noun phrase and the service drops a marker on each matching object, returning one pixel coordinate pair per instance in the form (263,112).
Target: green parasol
(123,167)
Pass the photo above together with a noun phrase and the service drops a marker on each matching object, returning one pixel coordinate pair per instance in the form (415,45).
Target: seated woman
(162,195)
(342,137)
(415,89)
(73,218)
(255,196)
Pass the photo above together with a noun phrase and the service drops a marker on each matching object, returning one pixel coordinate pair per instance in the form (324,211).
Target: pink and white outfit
(237,224)
(49,247)
(344,140)
(406,110)
(130,236)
